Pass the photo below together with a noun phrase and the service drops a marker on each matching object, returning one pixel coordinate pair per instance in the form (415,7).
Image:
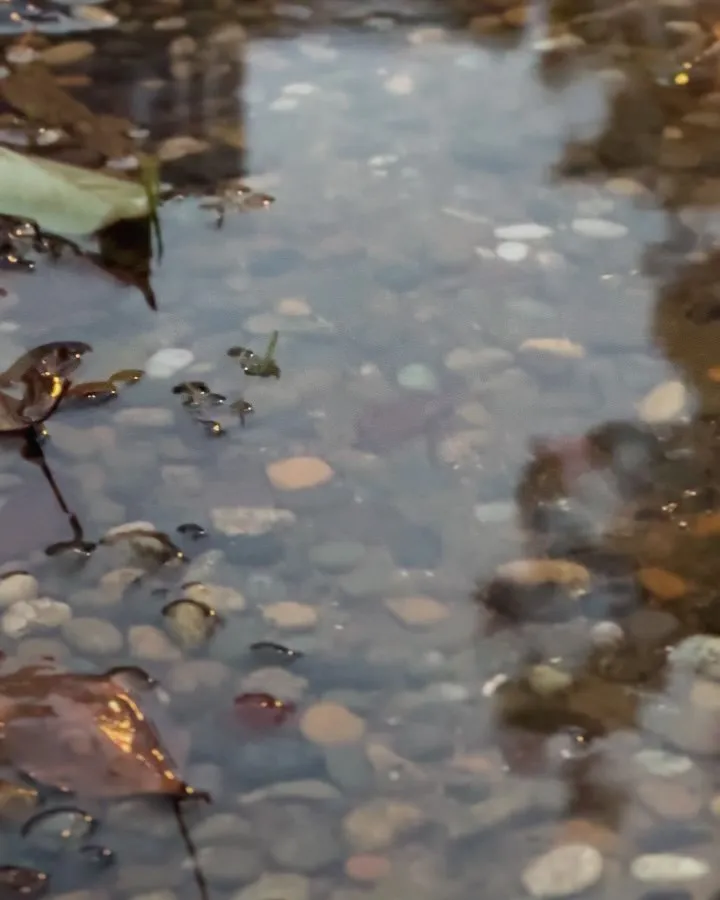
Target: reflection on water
(441,616)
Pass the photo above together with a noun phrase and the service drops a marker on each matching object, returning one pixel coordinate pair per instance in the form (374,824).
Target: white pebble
(566,870)
(46,137)
(664,403)
(598,228)
(101,18)
(559,43)
(560,347)
(524,231)
(512,251)
(44,612)
(165,363)
(427,36)
(17,588)
(606,635)
(20,55)
(284,104)
(299,89)
(123,163)
(401,85)
(493,684)
(668,867)
(662,763)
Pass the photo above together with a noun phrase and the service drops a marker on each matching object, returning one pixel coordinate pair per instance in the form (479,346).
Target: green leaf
(66,199)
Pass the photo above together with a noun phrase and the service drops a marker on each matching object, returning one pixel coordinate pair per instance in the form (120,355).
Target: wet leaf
(84,734)
(59,828)
(92,392)
(263,366)
(153,544)
(66,199)
(16,800)
(242,408)
(24,884)
(259,711)
(190,622)
(127,376)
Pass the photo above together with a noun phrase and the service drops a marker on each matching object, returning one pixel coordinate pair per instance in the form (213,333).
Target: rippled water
(432,610)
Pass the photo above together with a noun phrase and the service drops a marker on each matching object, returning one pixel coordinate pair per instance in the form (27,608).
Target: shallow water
(491,268)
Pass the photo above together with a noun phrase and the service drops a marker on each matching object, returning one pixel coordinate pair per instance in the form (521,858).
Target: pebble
(276,886)
(301,837)
(668,867)
(217,596)
(18,588)
(625,187)
(337,556)
(291,616)
(42,612)
(301,789)
(559,43)
(145,416)
(564,871)
(274,681)
(481,361)
(598,228)
(417,377)
(495,511)
(148,642)
(331,723)
(606,635)
(417,612)
(165,363)
(669,800)
(377,824)
(172,149)
(526,231)
(299,89)
(294,306)
(228,864)
(664,403)
(699,652)
(662,584)
(193,675)
(662,763)
(299,473)
(550,356)
(530,572)
(20,54)
(512,251)
(401,85)
(546,680)
(427,35)
(171,23)
(67,53)
(93,636)
(249,520)
(96,15)
(367,867)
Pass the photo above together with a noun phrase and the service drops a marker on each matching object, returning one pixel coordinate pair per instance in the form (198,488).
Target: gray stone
(699,653)
(230,864)
(249,520)
(34,615)
(276,681)
(276,886)
(300,837)
(93,636)
(221,827)
(148,642)
(349,767)
(663,764)
(302,789)
(337,556)
(417,377)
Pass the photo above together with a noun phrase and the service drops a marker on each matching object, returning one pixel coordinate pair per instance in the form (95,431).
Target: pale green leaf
(64,199)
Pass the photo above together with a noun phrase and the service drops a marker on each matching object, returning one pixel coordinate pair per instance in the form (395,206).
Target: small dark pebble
(192,530)
(270,653)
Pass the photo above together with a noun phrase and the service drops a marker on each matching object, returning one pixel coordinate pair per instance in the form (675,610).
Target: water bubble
(59,828)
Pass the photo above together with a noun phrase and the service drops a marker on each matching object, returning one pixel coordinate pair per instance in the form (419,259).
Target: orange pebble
(367,867)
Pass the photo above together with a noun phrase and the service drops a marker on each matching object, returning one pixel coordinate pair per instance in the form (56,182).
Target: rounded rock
(299,473)
(668,868)
(329,724)
(417,612)
(564,871)
(367,867)
(93,636)
(17,587)
(291,616)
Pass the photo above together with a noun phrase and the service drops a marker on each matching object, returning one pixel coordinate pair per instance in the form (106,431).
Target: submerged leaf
(66,199)
(82,733)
